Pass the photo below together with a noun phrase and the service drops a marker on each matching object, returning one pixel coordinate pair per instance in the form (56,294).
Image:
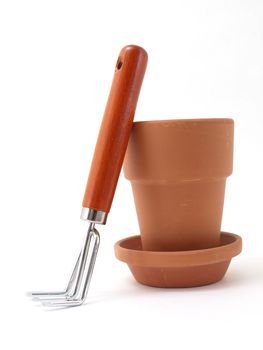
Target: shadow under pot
(178,171)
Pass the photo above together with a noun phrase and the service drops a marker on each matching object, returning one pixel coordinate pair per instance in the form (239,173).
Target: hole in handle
(119,64)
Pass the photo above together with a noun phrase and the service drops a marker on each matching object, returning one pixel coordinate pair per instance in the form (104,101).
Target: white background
(56,64)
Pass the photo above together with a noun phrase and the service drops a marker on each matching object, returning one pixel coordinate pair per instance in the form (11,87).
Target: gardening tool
(105,169)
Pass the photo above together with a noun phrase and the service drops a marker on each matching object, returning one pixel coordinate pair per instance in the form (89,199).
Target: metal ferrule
(94,216)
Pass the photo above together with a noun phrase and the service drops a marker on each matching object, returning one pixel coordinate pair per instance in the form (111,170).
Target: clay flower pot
(178,171)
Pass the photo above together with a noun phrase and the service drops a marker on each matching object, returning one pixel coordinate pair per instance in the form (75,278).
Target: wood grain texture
(115,128)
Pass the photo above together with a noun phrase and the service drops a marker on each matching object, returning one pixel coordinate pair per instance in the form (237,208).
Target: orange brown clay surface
(178,171)
(189,268)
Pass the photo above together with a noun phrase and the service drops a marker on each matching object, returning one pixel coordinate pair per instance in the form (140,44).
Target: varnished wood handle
(115,128)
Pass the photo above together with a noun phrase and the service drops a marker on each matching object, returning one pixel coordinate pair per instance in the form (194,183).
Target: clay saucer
(170,269)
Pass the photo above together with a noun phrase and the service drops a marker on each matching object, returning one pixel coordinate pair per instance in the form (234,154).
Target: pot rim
(184,121)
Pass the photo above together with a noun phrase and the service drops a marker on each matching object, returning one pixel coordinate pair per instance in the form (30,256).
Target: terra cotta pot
(178,171)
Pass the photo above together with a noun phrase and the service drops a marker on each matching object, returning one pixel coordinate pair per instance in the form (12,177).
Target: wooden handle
(115,128)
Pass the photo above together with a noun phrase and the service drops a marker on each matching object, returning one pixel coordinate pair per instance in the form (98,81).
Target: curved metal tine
(76,276)
(79,273)
(91,265)
(69,302)
(47,295)
(74,300)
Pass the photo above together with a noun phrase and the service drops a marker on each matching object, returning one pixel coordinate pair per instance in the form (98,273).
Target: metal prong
(47,295)
(80,278)
(63,303)
(90,250)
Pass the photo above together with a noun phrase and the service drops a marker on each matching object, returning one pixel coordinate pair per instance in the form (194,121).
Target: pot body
(178,171)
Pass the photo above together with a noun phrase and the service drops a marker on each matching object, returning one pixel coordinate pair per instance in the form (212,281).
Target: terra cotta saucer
(170,269)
